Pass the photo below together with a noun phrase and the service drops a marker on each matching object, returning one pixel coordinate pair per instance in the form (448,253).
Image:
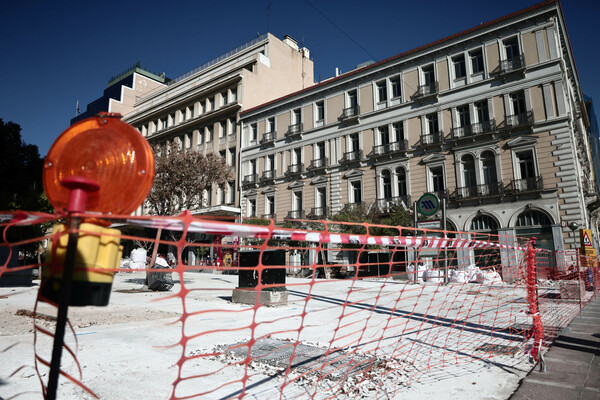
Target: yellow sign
(585,236)
(227,260)
(587,251)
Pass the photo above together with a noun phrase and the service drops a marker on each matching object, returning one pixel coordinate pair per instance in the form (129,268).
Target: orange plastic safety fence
(306,309)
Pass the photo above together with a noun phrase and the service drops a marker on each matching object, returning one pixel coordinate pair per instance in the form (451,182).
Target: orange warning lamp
(106,152)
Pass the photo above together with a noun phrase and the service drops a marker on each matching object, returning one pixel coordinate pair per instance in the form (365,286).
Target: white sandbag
(471,272)
(124,263)
(140,266)
(433,275)
(488,277)
(458,276)
(410,269)
(138,255)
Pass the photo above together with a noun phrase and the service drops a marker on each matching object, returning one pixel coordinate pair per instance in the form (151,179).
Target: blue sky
(54,53)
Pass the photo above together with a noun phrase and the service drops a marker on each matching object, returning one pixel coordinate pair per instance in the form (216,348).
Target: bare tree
(182,177)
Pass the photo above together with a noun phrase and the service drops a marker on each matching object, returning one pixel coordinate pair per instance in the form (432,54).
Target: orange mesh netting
(311,309)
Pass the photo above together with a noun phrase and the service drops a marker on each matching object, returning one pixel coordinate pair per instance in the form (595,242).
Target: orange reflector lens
(108,151)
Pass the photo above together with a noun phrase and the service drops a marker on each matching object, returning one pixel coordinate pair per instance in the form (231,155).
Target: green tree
(21,183)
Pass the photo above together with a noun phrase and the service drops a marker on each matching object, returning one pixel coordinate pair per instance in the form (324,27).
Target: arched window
(534,223)
(484,224)
(488,165)
(533,218)
(486,228)
(468,170)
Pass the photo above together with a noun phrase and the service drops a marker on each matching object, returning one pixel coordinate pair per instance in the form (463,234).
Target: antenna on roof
(269,16)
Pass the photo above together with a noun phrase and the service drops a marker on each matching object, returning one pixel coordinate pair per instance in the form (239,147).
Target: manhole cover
(306,358)
(497,349)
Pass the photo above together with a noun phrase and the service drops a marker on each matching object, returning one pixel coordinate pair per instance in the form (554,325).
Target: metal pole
(63,308)
(416,252)
(444,226)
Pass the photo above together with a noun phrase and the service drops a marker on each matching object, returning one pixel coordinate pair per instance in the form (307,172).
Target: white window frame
(249,202)
(466,71)
(267,197)
(422,73)
(515,161)
(503,56)
(319,122)
(430,175)
(347,97)
(294,205)
(380,104)
(484,66)
(270,124)
(322,186)
(252,133)
(351,198)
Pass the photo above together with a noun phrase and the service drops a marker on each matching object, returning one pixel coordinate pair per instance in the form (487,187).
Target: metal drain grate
(307,358)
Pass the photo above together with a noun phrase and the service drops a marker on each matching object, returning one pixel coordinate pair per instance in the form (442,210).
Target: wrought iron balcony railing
(294,130)
(319,163)
(318,212)
(442,194)
(295,214)
(512,64)
(268,175)
(388,148)
(351,156)
(250,179)
(426,90)
(533,184)
(386,204)
(295,169)
(268,137)
(433,138)
(352,206)
(350,112)
(270,216)
(474,129)
(477,191)
(522,119)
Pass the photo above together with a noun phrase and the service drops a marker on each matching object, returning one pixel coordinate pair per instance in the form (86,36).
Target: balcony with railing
(350,113)
(427,90)
(386,205)
(519,120)
(512,64)
(295,214)
(353,206)
(318,213)
(294,130)
(472,130)
(351,156)
(295,169)
(272,216)
(318,164)
(250,179)
(268,175)
(442,194)
(389,148)
(527,185)
(480,191)
(435,138)
(268,138)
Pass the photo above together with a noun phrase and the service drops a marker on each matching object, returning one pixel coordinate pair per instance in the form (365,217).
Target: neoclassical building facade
(491,119)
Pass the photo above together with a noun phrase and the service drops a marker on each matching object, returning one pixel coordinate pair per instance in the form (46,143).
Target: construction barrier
(319,309)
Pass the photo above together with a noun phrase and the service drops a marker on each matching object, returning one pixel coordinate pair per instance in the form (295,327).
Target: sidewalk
(572,363)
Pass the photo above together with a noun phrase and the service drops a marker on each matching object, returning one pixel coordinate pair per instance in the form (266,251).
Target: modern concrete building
(491,119)
(199,110)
